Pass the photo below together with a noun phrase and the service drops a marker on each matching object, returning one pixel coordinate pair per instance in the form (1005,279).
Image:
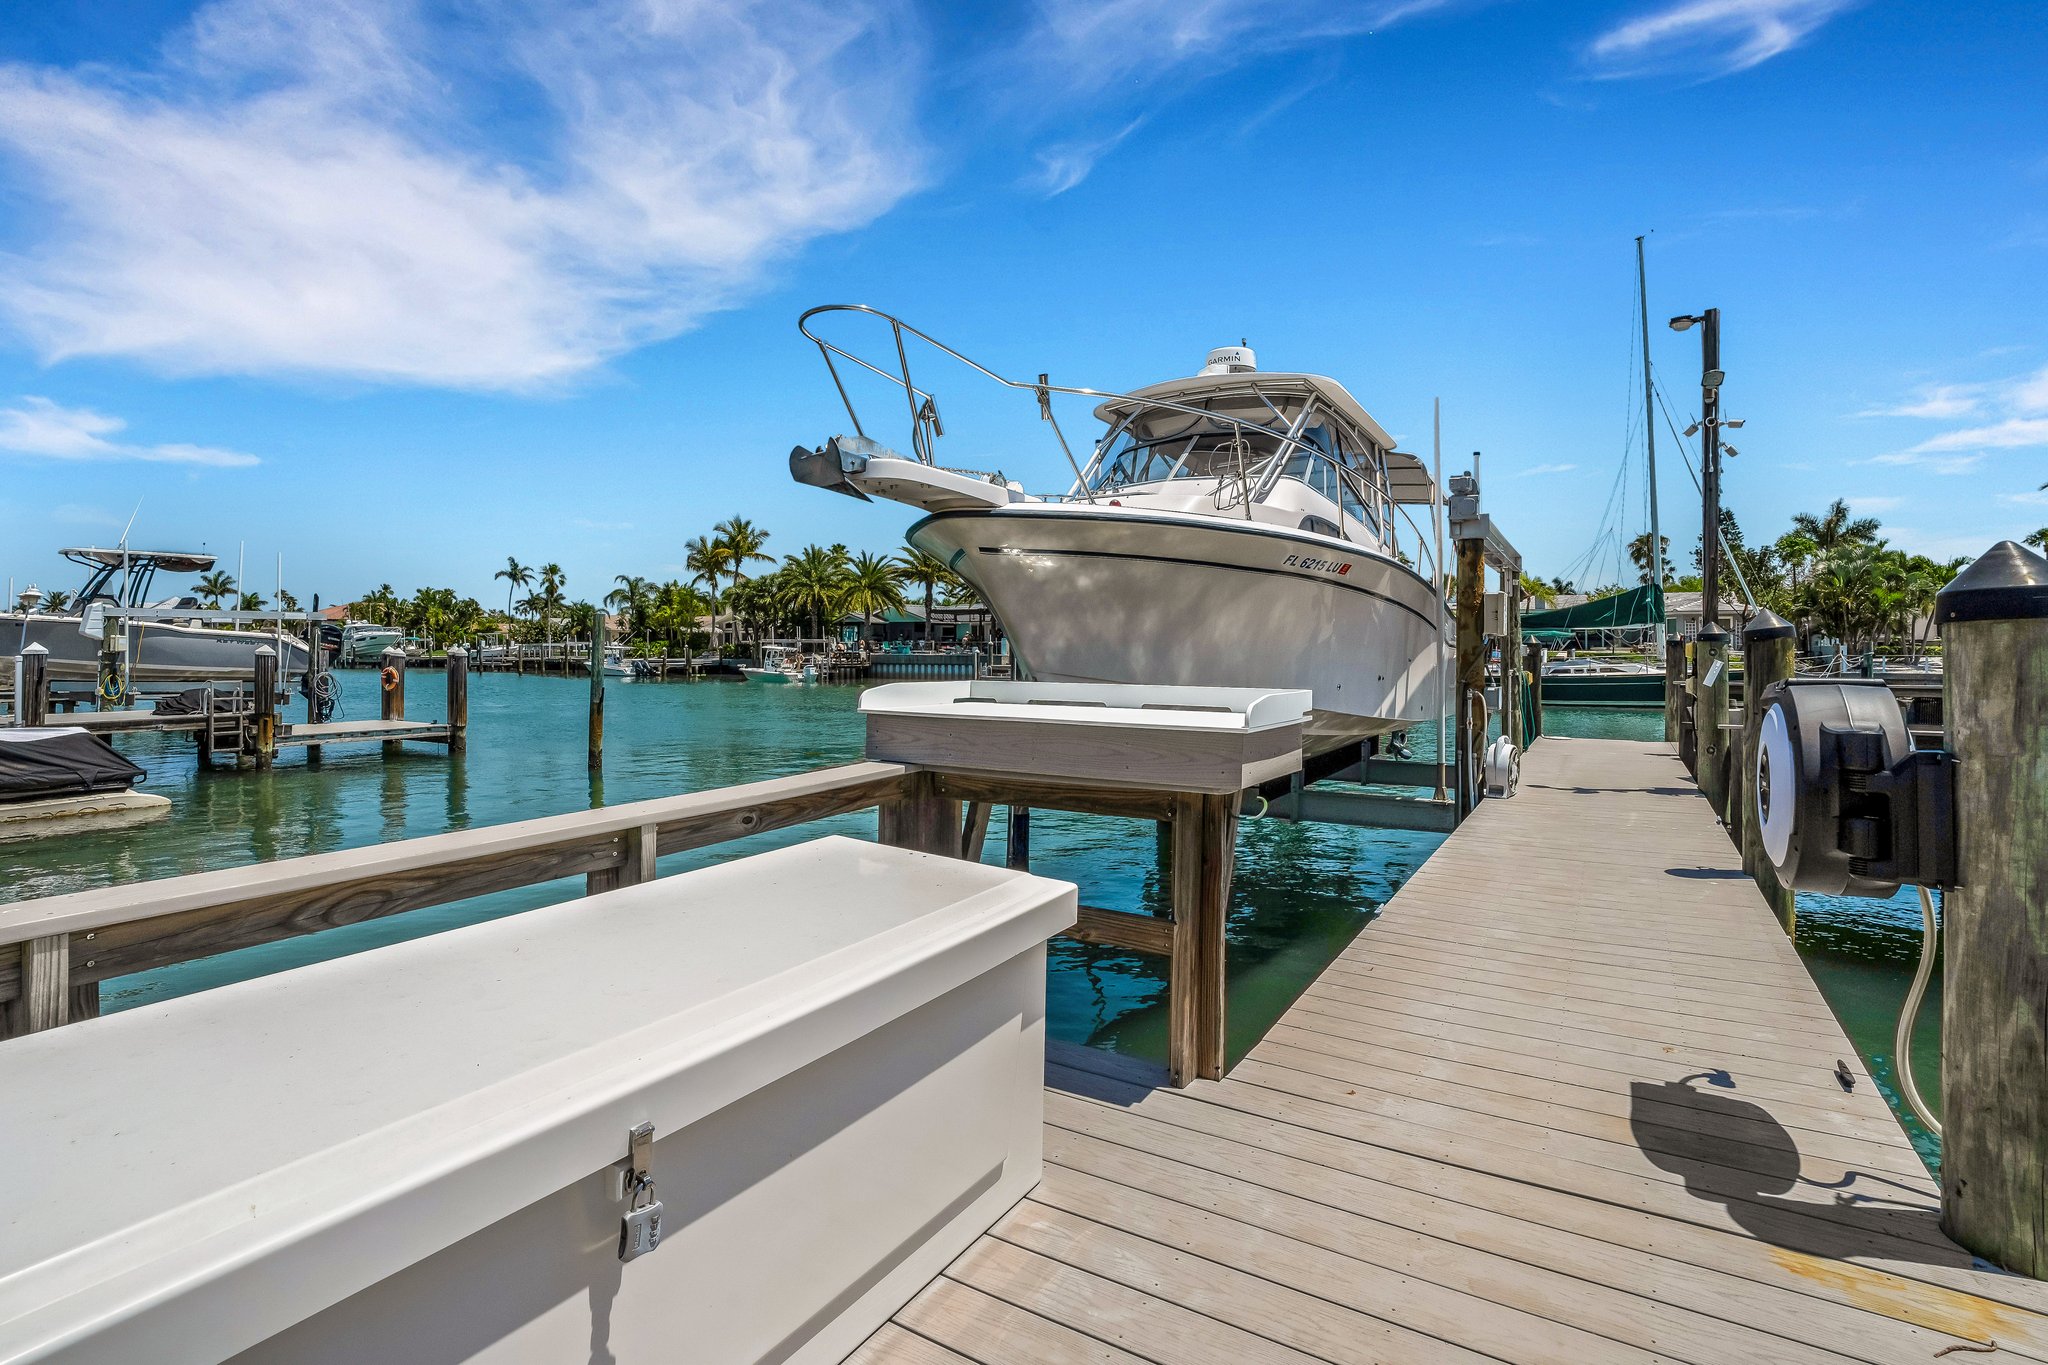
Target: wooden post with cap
(458,700)
(392,677)
(263,685)
(32,706)
(1994,1012)
(1767,657)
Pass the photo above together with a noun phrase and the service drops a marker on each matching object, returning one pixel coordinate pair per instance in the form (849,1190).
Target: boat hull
(1125,596)
(160,652)
(1624,689)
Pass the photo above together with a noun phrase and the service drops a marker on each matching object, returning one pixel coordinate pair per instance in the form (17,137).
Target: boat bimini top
(1228,422)
(130,570)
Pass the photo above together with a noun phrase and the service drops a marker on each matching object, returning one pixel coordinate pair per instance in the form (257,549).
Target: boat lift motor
(1503,767)
(1843,801)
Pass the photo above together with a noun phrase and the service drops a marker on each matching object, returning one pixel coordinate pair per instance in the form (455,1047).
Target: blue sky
(394,290)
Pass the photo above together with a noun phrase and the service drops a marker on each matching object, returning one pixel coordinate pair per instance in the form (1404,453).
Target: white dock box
(408,1155)
(1198,739)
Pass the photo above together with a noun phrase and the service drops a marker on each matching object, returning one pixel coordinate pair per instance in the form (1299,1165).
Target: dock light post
(1711,376)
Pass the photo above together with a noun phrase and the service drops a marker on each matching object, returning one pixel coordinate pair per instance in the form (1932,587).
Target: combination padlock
(640,1230)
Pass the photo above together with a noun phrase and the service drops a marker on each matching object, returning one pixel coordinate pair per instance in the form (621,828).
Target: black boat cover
(60,761)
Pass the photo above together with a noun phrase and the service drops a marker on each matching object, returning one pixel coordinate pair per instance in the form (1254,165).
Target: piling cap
(2008,582)
(1767,625)
(1711,632)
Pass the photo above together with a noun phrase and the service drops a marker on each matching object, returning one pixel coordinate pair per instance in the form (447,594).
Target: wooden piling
(1204,858)
(596,698)
(264,686)
(458,700)
(1768,646)
(32,707)
(315,670)
(1511,683)
(1674,686)
(1532,666)
(1468,706)
(919,818)
(1994,1017)
(392,679)
(112,692)
(1710,715)
(1018,853)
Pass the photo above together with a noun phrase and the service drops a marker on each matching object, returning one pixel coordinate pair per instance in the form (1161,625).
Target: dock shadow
(1870,1215)
(1707,874)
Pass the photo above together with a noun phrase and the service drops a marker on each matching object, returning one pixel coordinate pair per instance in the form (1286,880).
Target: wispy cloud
(1066,164)
(78,514)
(1534,470)
(1874,504)
(1926,462)
(586,524)
(2032,497)
(1093,44)
(1707,38)
(334,190)
(1122,58)
(2016,408)
(1934,401)
(2012,433)
(42,429)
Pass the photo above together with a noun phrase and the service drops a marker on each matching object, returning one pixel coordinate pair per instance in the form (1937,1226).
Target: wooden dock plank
(1569,1097)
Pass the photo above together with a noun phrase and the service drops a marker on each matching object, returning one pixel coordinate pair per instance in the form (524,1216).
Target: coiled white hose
(1902,1041)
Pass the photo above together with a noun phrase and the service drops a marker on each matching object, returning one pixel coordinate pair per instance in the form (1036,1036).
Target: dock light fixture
(1727,449)
(1693,430)
(1711,378)
(1684,323)
(31,598)
(1733,424)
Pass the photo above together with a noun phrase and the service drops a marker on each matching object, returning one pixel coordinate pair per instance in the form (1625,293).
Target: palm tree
(2039,540)
(1835,529)
(633,599)
(552,580)
(1536,590)
(813,583)
(706,557)
(516,575)
(872,586)
(743,541)
(927,571)
(57,601)
(215,587)
(250,601)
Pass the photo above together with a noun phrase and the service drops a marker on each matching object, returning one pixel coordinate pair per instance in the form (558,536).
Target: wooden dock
(1571,1097)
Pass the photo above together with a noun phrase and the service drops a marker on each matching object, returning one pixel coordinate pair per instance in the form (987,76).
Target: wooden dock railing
(54,952)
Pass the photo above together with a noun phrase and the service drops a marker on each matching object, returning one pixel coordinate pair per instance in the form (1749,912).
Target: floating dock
(1571,1096)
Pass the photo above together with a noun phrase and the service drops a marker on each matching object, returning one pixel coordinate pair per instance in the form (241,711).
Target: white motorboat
(781,664)
(364,642)
(1232,529)
(158,651)
(616,665)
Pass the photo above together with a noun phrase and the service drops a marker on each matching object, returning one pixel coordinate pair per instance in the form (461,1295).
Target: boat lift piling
(32,702)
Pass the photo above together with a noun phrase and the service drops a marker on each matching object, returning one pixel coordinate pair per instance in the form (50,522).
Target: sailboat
(1617,682)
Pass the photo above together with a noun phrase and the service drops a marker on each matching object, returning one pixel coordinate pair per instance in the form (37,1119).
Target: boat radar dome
(1231,360)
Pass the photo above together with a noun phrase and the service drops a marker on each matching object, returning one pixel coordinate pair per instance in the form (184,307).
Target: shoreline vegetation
(1831,573)
(721,604)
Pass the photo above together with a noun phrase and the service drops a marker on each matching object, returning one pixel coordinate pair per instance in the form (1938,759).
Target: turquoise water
(1301,893)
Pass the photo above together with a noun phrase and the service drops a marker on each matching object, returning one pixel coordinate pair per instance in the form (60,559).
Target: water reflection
(1300,894)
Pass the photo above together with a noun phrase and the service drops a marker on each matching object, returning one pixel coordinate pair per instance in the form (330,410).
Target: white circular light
(1774,783)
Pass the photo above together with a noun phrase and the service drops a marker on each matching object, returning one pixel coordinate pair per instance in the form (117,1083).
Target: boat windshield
(1198,450)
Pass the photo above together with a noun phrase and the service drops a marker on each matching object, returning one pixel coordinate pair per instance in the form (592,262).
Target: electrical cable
(1902,1039)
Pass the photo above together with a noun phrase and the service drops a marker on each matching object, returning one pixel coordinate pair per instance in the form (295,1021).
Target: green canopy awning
(1637,608)
(1548,637)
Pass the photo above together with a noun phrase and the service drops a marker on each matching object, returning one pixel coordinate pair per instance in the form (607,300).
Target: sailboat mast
(1650,443)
